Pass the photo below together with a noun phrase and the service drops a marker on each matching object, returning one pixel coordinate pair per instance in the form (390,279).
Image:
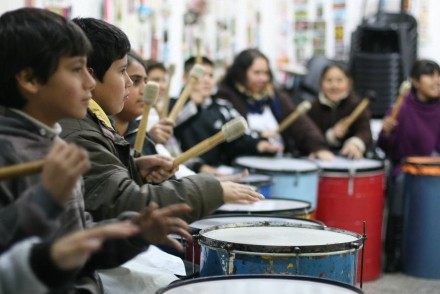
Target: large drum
(259,284)
(421,240)
(292,178)
(350,192)
(272,206)
(193,249)
(279,248)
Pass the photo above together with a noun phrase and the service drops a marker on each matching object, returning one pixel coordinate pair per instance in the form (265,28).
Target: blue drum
(259,284)
(292,178)
(421,245)
(280,248)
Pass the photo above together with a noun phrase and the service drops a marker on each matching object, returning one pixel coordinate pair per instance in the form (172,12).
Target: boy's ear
(26,80)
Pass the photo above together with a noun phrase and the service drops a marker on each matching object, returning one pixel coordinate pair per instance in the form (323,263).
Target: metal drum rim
(231,215)
(261,276)
(307,208)
(229,246)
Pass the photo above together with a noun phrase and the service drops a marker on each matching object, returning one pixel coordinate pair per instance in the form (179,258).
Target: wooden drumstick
(403,91)
(230,131)
(150,96)
(356,113)
(22,169)
(302,108)
(166,100)
(195,74)
(199,59)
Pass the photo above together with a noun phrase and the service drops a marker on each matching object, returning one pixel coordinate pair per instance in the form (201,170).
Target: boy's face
(65,95)
(205,86)
(112,92)
(134,106)
(159,76)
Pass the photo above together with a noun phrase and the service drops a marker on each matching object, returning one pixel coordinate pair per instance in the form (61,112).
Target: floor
(400,283)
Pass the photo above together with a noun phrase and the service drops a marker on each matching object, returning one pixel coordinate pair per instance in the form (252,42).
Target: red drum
(350,192)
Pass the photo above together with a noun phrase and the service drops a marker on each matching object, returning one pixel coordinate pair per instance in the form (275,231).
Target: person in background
(248,85)
(333,105)
(415,132)
(203,116)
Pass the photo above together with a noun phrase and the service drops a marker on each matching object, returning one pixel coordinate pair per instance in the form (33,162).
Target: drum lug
(357,244)
(351,174)
(228,246)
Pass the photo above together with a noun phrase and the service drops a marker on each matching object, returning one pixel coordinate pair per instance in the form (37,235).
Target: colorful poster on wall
(61,7)
(302,32)
(339,14)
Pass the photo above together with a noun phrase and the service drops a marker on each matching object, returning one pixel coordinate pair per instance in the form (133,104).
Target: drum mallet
(166,100)
(22,169)
(150,96)
(405,87)
(354,115)
(199,59)
(195,74)
(230,131)
(302,108)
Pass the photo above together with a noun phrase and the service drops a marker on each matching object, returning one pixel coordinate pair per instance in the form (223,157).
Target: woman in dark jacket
(248,85)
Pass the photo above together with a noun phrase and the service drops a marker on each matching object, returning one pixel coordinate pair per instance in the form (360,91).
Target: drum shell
(289,182)
(336,262)
(346,198)
(421,242)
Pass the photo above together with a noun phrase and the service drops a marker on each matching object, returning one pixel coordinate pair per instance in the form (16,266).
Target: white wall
(426,10)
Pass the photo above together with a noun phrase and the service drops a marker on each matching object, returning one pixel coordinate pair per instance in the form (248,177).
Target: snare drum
(421,255)
(350,192)
(292,178)
(279,248)
(261,182)
(272,206)
(259,284)
(223,219)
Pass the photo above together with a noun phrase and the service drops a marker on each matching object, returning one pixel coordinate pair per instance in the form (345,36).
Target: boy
(204,116)
(116,181)
(37,88)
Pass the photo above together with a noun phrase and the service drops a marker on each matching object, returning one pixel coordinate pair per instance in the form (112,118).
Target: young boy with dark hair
(38,87)
(117,182)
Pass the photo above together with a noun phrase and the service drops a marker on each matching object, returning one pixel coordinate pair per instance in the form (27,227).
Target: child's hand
(389,124)
(237,193)
(162,131)
(73,250)
(339,129)
(155,168)
(62,169)
(352,151)
(157,223)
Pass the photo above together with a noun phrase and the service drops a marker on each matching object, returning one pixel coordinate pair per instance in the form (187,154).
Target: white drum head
(265,205)
(345,164)
(278,236)
(276,164)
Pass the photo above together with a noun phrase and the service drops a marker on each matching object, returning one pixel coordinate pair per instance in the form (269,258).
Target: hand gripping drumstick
(230,131)
(22,169)
(166,102)
(150,96)
(403,90)
(195,74)
(356,113)
(302,108)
